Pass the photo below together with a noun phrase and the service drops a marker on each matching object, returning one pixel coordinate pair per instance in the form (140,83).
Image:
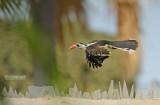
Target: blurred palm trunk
(47,15)
(44,17)
(128,28)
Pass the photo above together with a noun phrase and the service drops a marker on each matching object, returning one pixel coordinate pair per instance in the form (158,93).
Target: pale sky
(101,19)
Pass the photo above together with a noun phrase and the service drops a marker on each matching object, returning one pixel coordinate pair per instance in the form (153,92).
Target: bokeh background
(35,36)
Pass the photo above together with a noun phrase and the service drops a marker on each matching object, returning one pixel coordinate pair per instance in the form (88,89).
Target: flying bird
(97,50)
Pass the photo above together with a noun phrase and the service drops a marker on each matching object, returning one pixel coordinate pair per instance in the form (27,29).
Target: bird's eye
(77,45)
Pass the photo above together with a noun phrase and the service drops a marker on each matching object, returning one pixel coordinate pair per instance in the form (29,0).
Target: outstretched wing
(96,54)
(95,60)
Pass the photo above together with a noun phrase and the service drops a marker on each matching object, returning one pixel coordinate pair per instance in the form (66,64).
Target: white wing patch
(91,44)
(104,54)
(126,49)
(131,51)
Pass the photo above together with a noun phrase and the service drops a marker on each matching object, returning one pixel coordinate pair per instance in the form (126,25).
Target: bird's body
(97,50)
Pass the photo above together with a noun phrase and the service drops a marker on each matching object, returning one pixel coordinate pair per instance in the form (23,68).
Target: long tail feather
(126,45)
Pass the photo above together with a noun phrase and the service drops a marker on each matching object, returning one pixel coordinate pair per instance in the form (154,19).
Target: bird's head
(78,45)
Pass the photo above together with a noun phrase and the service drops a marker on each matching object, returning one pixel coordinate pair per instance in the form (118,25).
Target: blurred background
(35,36)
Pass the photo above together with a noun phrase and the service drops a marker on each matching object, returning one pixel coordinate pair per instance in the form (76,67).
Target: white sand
(75,101)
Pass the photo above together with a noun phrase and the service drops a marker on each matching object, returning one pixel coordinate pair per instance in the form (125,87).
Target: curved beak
(72,47)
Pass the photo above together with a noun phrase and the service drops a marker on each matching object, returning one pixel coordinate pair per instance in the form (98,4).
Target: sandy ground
(76,101)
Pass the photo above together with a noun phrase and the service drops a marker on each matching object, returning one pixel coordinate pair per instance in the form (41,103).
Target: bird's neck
(83,47)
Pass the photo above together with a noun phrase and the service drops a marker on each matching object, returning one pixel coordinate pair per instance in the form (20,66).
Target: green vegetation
(15,57)
(38,46)
(18,52)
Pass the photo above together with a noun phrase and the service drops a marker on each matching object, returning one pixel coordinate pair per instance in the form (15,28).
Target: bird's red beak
(72,47)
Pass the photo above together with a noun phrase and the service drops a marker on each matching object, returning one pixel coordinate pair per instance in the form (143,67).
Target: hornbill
(97,50)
